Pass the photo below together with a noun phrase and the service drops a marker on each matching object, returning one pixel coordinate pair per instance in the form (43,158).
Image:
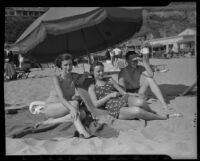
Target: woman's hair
(96,63)
(61,58)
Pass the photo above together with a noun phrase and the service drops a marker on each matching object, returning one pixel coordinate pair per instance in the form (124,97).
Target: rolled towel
(36,107)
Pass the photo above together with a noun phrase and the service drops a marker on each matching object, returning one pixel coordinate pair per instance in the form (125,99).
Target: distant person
(9,67)
(129,77)
(117,52)
(107,54)
(112,56)
(120,61)
(21,61)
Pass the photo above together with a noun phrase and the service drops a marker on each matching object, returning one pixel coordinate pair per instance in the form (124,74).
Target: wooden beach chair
(189,89)
(83,93)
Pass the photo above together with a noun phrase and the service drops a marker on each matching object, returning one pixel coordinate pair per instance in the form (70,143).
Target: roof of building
(42,9)
(188,31)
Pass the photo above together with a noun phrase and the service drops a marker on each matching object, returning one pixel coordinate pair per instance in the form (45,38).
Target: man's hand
(137,95)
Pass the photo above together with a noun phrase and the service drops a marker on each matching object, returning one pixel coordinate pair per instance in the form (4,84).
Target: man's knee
(139,102)
(149,80)
(136,111)
(135,101)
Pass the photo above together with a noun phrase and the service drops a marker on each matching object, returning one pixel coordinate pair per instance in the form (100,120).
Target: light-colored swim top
(67,89)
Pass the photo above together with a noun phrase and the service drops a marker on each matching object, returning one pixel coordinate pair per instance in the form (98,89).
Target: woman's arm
(117,87)
(97,103)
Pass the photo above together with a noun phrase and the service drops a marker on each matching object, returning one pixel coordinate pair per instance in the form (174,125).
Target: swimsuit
(114,104)
(133,90)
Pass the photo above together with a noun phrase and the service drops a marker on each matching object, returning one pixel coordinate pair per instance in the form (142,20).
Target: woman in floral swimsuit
(107,94)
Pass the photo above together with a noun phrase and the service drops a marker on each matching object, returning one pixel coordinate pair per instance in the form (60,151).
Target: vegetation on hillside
(171,24)
(158,22)
(15,26)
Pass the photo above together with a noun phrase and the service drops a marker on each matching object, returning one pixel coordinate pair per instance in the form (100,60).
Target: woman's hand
(74,112)
(137,95)
(76,97)
(114,94)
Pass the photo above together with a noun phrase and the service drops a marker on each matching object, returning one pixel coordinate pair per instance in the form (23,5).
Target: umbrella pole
(86,48)
(83,68)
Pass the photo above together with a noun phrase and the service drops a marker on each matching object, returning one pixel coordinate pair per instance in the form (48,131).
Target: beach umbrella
(78,30)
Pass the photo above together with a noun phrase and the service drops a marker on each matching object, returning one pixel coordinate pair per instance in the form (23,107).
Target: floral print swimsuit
(114,104)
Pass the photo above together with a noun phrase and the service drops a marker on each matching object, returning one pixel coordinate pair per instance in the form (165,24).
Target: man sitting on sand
(129,77)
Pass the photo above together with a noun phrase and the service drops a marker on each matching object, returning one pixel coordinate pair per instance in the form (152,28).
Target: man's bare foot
(84,133)
(174,115)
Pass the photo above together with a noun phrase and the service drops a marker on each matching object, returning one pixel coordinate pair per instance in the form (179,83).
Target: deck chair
(22,72)
(83,93)
(189,89)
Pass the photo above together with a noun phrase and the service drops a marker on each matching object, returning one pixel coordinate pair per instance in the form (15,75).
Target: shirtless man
(129,77)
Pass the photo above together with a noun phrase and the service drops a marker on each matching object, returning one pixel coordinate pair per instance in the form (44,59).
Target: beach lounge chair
(83,93)
(189,89)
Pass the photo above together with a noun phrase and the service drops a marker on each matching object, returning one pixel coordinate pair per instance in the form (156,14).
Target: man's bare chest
(133,76)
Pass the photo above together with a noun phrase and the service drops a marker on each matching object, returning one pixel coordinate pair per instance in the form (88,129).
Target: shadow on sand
(171,91)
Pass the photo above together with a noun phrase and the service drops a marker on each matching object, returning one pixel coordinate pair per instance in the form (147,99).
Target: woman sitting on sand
(62,105)
(106,93)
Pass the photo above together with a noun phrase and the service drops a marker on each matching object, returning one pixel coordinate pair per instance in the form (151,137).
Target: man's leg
(150,82)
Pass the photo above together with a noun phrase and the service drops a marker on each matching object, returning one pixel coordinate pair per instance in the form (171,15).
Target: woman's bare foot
(84,133)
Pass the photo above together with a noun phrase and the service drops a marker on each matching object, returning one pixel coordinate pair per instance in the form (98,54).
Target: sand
(176,137)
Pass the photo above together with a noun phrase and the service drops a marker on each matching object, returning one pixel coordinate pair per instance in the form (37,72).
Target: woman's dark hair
(96,63)
(62,57)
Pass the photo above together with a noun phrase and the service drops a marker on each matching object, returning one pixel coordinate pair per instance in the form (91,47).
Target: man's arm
(148,71)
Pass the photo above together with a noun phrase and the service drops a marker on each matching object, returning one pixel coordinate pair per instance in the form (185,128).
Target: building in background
(25,11)
(186,41)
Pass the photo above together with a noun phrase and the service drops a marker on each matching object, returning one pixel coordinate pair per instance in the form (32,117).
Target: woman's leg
(77,123)
(139,102)
(57,113)
(55,110)
(129,113)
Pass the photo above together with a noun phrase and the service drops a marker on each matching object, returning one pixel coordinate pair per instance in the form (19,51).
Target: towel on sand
(21,124)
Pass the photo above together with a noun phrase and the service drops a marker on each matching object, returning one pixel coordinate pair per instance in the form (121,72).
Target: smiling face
(98,72)
(66,66)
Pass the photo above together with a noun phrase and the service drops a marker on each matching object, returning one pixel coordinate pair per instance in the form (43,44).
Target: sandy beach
(176,137)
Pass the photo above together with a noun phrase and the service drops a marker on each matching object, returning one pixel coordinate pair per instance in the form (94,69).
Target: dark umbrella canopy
(78,30)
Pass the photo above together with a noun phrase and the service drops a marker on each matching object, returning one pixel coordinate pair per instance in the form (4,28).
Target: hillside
(168,21)
(158,21)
